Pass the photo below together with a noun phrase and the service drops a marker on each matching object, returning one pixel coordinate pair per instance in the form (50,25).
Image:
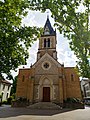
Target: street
(8,113)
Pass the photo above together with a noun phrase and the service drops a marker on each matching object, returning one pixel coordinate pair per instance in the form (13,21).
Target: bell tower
(47,41)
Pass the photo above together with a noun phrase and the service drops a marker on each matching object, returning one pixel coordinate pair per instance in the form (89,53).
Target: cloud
(30,19)
(64,53)
(36,18)
(33,54)
(2,0)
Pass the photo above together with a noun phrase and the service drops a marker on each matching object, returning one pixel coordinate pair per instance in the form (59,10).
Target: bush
(20,102)
(21,99)
(0,96)
(73,100)
(9,100)
(0,100)
(4,102)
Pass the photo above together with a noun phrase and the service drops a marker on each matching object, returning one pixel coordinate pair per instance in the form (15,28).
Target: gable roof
(43,57)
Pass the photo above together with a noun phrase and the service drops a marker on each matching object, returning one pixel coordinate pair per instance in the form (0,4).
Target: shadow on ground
(12,112)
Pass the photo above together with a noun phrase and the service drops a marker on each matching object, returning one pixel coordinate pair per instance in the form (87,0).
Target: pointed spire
(47,14)
(48,29)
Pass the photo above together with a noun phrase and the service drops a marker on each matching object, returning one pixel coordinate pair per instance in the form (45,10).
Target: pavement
(9,113)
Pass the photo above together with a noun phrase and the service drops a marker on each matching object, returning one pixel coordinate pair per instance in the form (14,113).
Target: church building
(47,80)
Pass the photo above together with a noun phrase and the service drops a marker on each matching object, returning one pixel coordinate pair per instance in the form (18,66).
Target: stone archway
(45,90)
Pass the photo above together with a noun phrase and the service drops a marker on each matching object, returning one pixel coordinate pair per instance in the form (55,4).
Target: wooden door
(46,94)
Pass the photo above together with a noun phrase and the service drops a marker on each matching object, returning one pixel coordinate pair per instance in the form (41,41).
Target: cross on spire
(48,14)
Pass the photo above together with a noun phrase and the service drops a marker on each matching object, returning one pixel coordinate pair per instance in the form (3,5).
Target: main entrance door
(46,94)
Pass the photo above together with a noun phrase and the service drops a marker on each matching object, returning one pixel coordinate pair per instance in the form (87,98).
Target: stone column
(60,91)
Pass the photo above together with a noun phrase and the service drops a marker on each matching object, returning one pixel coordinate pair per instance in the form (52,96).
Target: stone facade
(48,80)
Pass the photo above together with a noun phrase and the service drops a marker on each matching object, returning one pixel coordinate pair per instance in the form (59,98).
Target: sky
(64,53)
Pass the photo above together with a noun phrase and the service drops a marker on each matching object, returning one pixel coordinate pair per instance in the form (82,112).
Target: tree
(13,89)
(74,24)
(15,39)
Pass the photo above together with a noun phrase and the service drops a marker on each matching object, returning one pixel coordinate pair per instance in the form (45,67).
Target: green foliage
(73,100)
(14,38)
(74,24)
(4,102)
(21,99)
(0,96)
(9,100)
(13,89)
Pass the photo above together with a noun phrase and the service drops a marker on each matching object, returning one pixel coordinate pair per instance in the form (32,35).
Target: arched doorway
(46,94)
(45,89)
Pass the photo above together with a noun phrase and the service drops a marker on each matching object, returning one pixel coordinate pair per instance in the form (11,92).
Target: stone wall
(72,84)
(25,84)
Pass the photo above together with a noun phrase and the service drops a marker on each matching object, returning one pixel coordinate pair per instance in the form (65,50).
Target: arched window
(48,42)
(45,42)
(72,77)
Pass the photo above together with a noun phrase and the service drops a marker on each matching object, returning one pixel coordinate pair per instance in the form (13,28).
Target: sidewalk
(8,113)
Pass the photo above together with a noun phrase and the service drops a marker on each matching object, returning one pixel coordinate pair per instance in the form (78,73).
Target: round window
(46,65)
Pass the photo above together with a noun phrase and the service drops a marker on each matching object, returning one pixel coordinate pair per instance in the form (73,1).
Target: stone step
(44,105)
